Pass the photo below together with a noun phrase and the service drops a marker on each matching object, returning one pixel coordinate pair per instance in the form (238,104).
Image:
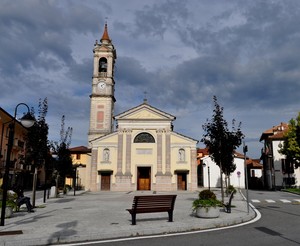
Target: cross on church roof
(145,98)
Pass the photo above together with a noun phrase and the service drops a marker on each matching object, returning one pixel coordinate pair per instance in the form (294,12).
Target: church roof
(179,134)
(136,113)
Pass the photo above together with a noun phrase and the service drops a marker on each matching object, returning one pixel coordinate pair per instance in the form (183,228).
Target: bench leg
(228,208)
(133,219)
(170,216)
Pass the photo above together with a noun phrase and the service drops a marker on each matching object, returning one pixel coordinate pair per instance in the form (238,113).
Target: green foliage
(220,141)
(63,163)
(231,189)
(10,200)
(293,190)
(207,194)
(206,199)
(291,144)
(37,144)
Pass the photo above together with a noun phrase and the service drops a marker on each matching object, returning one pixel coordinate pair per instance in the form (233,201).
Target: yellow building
(143,153)
(81,158)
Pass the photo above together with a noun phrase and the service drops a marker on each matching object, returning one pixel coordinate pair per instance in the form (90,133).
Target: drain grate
(8,233)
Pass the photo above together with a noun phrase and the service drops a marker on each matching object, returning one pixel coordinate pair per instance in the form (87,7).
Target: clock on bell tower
(102,97)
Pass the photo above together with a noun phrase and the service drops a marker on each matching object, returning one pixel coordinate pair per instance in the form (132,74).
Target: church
(143,152)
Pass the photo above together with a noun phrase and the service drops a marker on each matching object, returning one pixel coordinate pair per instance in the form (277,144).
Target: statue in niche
(181,155)
(106,154)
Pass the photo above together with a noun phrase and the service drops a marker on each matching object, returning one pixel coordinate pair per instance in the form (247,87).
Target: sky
(180,52)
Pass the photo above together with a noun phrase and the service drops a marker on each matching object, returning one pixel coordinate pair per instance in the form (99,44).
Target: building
(209,171)
(19,173)
(278,172)
(143,152)
(81,158)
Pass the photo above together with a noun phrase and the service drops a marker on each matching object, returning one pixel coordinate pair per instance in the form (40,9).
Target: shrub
(207,194)
(206,199)
(231,189)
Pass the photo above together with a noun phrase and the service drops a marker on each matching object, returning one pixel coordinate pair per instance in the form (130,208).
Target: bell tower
(102,97)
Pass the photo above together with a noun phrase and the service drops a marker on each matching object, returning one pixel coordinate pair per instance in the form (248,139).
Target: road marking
(285,201)
(270,201)
(255,201)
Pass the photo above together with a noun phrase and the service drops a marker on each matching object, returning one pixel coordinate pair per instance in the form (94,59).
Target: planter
(208,212)
(8,212)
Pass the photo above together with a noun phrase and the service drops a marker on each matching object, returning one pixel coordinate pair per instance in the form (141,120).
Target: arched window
(181,155)
(106,154)
(144,137)
(103,65)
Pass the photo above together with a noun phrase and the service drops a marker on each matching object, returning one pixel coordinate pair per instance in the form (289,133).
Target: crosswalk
(293,201)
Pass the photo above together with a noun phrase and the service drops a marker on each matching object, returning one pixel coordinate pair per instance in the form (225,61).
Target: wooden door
(144,178)
(181,181)
(105,182)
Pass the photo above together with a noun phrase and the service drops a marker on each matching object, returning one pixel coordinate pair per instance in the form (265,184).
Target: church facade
(143,152)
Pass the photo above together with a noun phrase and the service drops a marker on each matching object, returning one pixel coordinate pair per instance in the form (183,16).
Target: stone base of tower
(123,183)
(164,183)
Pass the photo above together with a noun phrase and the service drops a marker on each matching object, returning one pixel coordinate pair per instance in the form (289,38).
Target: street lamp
(208,172)
(27,121)
(75,177)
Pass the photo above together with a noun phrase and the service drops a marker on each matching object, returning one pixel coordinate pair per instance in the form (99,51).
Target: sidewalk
(92,216)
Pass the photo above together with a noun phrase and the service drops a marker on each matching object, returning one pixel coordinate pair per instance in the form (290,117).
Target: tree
(291,144)
(221,142)
(37,144)
(63,161)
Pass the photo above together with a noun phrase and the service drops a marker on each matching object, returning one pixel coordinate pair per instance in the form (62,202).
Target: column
(120,153)
(128,152)
(159,151)
(168,153)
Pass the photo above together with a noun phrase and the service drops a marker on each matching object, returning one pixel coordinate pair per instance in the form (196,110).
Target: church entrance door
(181,181)
(144,178)
(105,181)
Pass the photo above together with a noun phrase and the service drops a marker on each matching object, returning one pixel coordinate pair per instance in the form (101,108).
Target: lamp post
(245,150)
(27,121)
(208,172)
(75,177)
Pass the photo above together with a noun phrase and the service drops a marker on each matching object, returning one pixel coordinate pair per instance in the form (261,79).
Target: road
(279,225)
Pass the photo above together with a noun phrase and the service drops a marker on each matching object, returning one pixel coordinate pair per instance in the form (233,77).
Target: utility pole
(245,150)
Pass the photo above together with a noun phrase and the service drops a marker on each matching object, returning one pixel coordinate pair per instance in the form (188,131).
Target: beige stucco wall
(145,154)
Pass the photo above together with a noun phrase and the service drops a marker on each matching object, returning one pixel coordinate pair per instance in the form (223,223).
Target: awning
(182,171)
(105,171)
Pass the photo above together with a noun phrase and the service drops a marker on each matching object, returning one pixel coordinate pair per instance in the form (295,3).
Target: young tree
(37,144)
(221,142)
(63,162)
(291,144)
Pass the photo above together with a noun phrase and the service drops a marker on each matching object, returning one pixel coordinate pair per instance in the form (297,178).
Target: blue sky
(182,52)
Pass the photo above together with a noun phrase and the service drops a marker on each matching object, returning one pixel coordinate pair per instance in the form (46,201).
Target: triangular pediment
(145,112)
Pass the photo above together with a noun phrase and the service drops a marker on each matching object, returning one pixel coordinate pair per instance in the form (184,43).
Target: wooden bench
(152,204)
(227,206)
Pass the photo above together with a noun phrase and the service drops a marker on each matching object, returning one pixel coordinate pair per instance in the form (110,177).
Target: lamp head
(27,120)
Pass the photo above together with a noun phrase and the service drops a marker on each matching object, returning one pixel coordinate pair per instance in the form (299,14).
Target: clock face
(101,85)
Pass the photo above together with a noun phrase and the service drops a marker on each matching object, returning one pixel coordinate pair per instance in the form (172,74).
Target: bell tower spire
(103,87)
